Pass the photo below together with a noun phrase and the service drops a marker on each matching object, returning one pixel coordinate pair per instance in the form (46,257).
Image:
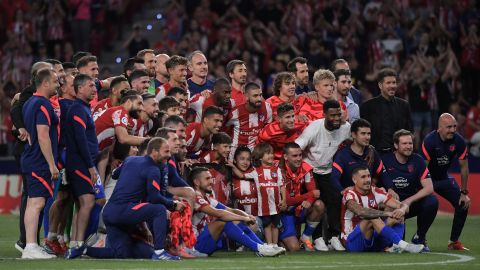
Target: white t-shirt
(319,144)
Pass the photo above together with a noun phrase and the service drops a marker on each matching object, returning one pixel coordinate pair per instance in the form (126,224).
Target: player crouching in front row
(363,226)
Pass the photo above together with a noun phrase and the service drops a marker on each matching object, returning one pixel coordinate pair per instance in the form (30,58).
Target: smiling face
(388,87)
(243,160)
(239,74)
(404,146)
(293,157)
(362,136)
(213,123)
(362,180)
(287,120)
(199,65)
(287,89)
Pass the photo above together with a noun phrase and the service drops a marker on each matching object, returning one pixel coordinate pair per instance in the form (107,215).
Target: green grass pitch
(439,258)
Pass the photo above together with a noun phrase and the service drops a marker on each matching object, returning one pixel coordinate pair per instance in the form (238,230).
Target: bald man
(440,147)
(160,69)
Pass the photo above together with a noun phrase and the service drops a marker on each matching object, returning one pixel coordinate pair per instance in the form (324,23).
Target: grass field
(439,258)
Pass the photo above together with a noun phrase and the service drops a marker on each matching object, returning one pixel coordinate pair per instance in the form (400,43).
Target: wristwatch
(464,191)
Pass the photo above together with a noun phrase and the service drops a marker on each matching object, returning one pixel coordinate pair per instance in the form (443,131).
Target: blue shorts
(39,184)
(290,222)
(206,244)
(356,242)
(80,184)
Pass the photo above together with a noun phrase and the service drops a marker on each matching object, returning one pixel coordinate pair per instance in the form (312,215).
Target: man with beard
(320,141)
(299,67)
(135,200)
(343,86)
(181,95)
(144,123)
(249,118)
(220,97)
(39,159)
(198,66)
(412,182)
(132,64)
(304,205)
(88,65)
(440,147)
(283,130)
(117,86)
(237,72)
(161,73)
(212,220)
(82,151)
(177,72)
(386,112)
(199,135)
(139,81)
(150,62)
(353,93)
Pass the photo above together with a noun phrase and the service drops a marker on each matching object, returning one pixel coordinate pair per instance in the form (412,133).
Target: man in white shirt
(320,141)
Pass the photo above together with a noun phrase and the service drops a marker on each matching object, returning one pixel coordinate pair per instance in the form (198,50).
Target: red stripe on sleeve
(463,155)
(83,176)
(424,174)
(138,206)
(44,183)
(338,167)
(156,185)
(425,153)
(379,168)
(47,115)
(80,121)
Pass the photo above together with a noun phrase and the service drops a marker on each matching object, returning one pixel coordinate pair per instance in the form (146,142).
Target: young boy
(169,105)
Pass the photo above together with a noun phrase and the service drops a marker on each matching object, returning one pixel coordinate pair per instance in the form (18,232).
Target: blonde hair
(322,74)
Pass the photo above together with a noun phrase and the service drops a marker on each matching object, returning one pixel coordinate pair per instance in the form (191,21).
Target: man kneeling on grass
(212,220)
(363,226)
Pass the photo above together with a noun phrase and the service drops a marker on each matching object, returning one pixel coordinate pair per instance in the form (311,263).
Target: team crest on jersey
(202,201)
(124,120)
(372,203)
(274,174)
(262,118)
(410,168)
(452,147)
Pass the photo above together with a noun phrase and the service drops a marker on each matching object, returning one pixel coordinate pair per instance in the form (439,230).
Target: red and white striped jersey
(268,181)
(107,121)
(199,219)
(199,103)
(162,90)
(194,141)
(101,106)
(141,128)
(245,194)
(370,200)
(247,125)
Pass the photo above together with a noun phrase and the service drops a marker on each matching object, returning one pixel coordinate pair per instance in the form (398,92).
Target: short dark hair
(83,62)
(130,64)
(129,95)
(292,65)
(117,80)
(176,90)
(195,172)
(221,138)
(290,145)
(68,65)
(232,64)
(335,62)
(142,148)
(80,80)
(241,149)
(141,54)
(360,167)
(386,72)
(341,72)
(284,108)
(167,102)
(258,152)
(212,110)
(176,60)
(155,144)
(79,55)
(360,123)
(221,83)
(53,62)
(42,75)
(280,78)
(174,120)
(147,96)
(400,133)
(137,73)
(252,86)
(164,131)
(330,104)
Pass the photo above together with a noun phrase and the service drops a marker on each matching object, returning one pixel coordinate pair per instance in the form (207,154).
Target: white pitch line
(458,260)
